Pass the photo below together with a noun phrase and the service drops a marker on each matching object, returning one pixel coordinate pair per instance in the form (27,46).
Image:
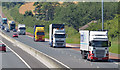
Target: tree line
(75,15)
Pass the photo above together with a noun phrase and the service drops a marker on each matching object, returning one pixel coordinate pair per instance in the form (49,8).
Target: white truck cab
(21,29)
(57,35)
(94,45)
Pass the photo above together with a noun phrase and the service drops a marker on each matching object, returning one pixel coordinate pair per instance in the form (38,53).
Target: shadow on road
(115,60)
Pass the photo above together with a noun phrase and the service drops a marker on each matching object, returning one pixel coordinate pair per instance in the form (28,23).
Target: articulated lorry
(4,20)
(57,35)
(21,29)
(39,33)
(94,45)
(11,25)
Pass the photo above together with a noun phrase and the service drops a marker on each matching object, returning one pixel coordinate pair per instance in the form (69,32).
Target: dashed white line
(116,63)
(85,60)
(74,56)
(98,67)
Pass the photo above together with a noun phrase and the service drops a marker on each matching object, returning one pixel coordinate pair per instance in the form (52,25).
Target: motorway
(67,56)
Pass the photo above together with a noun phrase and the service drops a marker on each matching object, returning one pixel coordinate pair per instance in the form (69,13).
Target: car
(2,47)
(2,27)
(7,30)
(14,30)
(15,35)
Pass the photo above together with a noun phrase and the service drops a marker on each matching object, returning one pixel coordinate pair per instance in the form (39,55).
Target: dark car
(2,47)
(15,35)
(14,30)
(2,27)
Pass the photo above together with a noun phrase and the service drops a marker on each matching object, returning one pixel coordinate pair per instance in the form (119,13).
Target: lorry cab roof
(11,22)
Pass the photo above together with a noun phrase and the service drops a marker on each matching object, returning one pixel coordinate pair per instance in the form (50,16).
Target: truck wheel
(92,60)
(83,56)
(87,57)
(4,50)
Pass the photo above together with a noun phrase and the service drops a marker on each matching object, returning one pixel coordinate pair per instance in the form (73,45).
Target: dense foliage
(75,15)
(9,5)
(110,25)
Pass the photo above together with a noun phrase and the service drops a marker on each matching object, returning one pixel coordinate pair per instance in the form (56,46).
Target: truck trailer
(4,20)
(57,35)
(39,33)
(11,25)
(94,45)
(21,29)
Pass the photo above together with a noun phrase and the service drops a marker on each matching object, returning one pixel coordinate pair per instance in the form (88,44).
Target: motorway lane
(10,60)
(30,60)
(67,56)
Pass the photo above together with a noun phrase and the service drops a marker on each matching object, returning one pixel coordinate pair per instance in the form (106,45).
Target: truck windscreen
(22,28)
(12,24)
(100,43)
(40,33)
(59,35)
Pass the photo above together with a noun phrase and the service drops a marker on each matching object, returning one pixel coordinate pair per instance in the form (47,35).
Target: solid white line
(29,36)
(18,57)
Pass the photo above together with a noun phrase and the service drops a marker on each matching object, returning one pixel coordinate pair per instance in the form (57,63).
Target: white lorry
(21,29)
(94,45)
(57,35)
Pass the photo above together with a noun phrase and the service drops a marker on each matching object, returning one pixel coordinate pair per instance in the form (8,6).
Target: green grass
(114,46)
(7,13)
(73,35)
(30,30)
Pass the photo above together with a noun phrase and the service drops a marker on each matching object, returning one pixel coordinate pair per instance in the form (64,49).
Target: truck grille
(60,44)
(59,41)
(100,53)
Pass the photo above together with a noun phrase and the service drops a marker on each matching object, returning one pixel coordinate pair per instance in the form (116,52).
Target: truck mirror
(109,44)
(89,43)
(53,35)
(66,35)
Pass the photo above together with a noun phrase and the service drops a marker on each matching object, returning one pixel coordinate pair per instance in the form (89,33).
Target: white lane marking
(29,36)
(98,67)
(19,57)
(74,56)
(115,63)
